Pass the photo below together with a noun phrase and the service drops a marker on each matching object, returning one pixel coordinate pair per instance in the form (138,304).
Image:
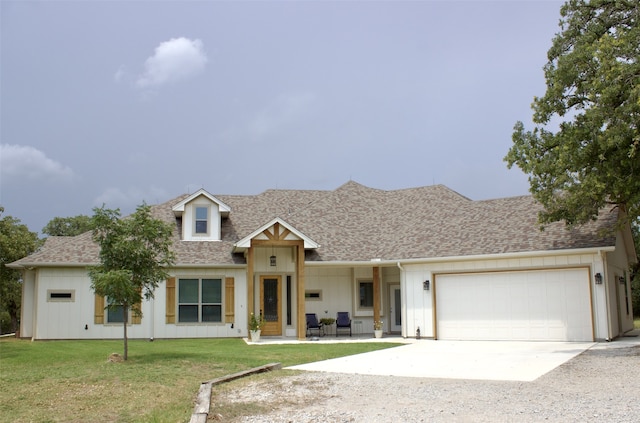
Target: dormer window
(202,220)
(201,216)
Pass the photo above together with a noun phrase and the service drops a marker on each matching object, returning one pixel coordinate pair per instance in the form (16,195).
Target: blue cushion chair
(313,324)
(343,321)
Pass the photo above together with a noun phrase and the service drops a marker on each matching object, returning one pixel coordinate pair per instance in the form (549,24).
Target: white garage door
(553,305)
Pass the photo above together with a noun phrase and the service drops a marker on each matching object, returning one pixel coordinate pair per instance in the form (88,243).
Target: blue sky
(122,102)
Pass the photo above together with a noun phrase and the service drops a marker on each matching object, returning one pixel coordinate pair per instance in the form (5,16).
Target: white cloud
(127,200)
(173,60)
(21,161)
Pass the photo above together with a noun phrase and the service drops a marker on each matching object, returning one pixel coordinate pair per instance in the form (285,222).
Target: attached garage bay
(548,305)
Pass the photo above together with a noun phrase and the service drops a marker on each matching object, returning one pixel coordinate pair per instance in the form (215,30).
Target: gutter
(522,254)
(30,266)
(361,263)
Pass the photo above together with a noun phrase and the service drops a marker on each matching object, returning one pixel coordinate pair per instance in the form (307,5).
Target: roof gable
(178,209)
(276,229)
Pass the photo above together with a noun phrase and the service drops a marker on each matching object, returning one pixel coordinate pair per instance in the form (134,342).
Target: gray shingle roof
(357,223)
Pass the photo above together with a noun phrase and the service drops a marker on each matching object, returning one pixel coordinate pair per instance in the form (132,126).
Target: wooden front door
(270,305)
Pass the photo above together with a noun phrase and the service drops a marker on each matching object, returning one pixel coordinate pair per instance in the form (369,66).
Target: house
(425,260)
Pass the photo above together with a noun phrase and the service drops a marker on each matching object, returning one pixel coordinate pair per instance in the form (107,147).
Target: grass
(636,323)
(72,381)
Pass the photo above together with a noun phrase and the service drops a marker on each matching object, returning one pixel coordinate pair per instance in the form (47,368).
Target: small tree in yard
(134,253)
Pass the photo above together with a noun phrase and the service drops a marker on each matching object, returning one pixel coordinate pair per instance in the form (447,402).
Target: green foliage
(593,86)
(256,323)
(68,226)
(134,253)
(16,242)
(5,322)
(635,270)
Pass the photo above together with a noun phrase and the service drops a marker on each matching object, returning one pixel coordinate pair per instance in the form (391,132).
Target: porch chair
(343,321)
(313,324)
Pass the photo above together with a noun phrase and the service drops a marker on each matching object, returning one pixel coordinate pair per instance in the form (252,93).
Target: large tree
(68,226)
(16,242)
(134,254)
(635,272)
(592,160)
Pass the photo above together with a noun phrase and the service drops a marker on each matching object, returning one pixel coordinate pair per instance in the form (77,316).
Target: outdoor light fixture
(272,259)
(622,280)
(598,279)
(425,285)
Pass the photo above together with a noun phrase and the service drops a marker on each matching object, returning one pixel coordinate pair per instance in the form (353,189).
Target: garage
(542,305)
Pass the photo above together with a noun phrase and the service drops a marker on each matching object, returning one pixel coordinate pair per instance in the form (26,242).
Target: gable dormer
(201,215)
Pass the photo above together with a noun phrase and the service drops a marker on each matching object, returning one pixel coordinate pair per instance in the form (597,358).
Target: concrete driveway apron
(485,360)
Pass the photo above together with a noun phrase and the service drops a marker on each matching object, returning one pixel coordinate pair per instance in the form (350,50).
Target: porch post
(376,293)
(302,321)
(250,287)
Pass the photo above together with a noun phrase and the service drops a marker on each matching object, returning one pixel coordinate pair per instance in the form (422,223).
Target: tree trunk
(14,313)
(14,323)
(125,310)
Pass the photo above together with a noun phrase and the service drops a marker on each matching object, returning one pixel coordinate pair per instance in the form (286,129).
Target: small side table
(327,322)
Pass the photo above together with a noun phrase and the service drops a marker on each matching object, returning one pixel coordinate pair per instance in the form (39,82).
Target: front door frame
(272,327)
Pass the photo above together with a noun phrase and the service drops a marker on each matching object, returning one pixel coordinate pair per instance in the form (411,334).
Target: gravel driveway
(601,384)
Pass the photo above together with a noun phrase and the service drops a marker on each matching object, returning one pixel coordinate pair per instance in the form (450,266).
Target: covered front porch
(283,288)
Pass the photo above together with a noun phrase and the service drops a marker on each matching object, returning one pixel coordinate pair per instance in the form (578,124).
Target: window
(365,292)
(313,295)
(199,300)
(59,295)
(289,300)
(115,314)
(202,218)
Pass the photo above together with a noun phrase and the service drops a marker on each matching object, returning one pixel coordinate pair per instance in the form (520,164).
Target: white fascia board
(179,208)
(30,266)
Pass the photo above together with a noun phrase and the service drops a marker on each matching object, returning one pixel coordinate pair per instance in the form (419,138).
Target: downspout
(34,321)
(403,305)
(152,302)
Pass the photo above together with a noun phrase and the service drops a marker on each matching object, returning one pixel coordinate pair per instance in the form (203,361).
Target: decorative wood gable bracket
(276,232)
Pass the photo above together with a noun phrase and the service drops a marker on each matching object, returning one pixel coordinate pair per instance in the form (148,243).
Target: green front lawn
(72,381)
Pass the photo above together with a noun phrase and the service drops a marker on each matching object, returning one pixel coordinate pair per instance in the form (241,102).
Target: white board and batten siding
(535,305)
